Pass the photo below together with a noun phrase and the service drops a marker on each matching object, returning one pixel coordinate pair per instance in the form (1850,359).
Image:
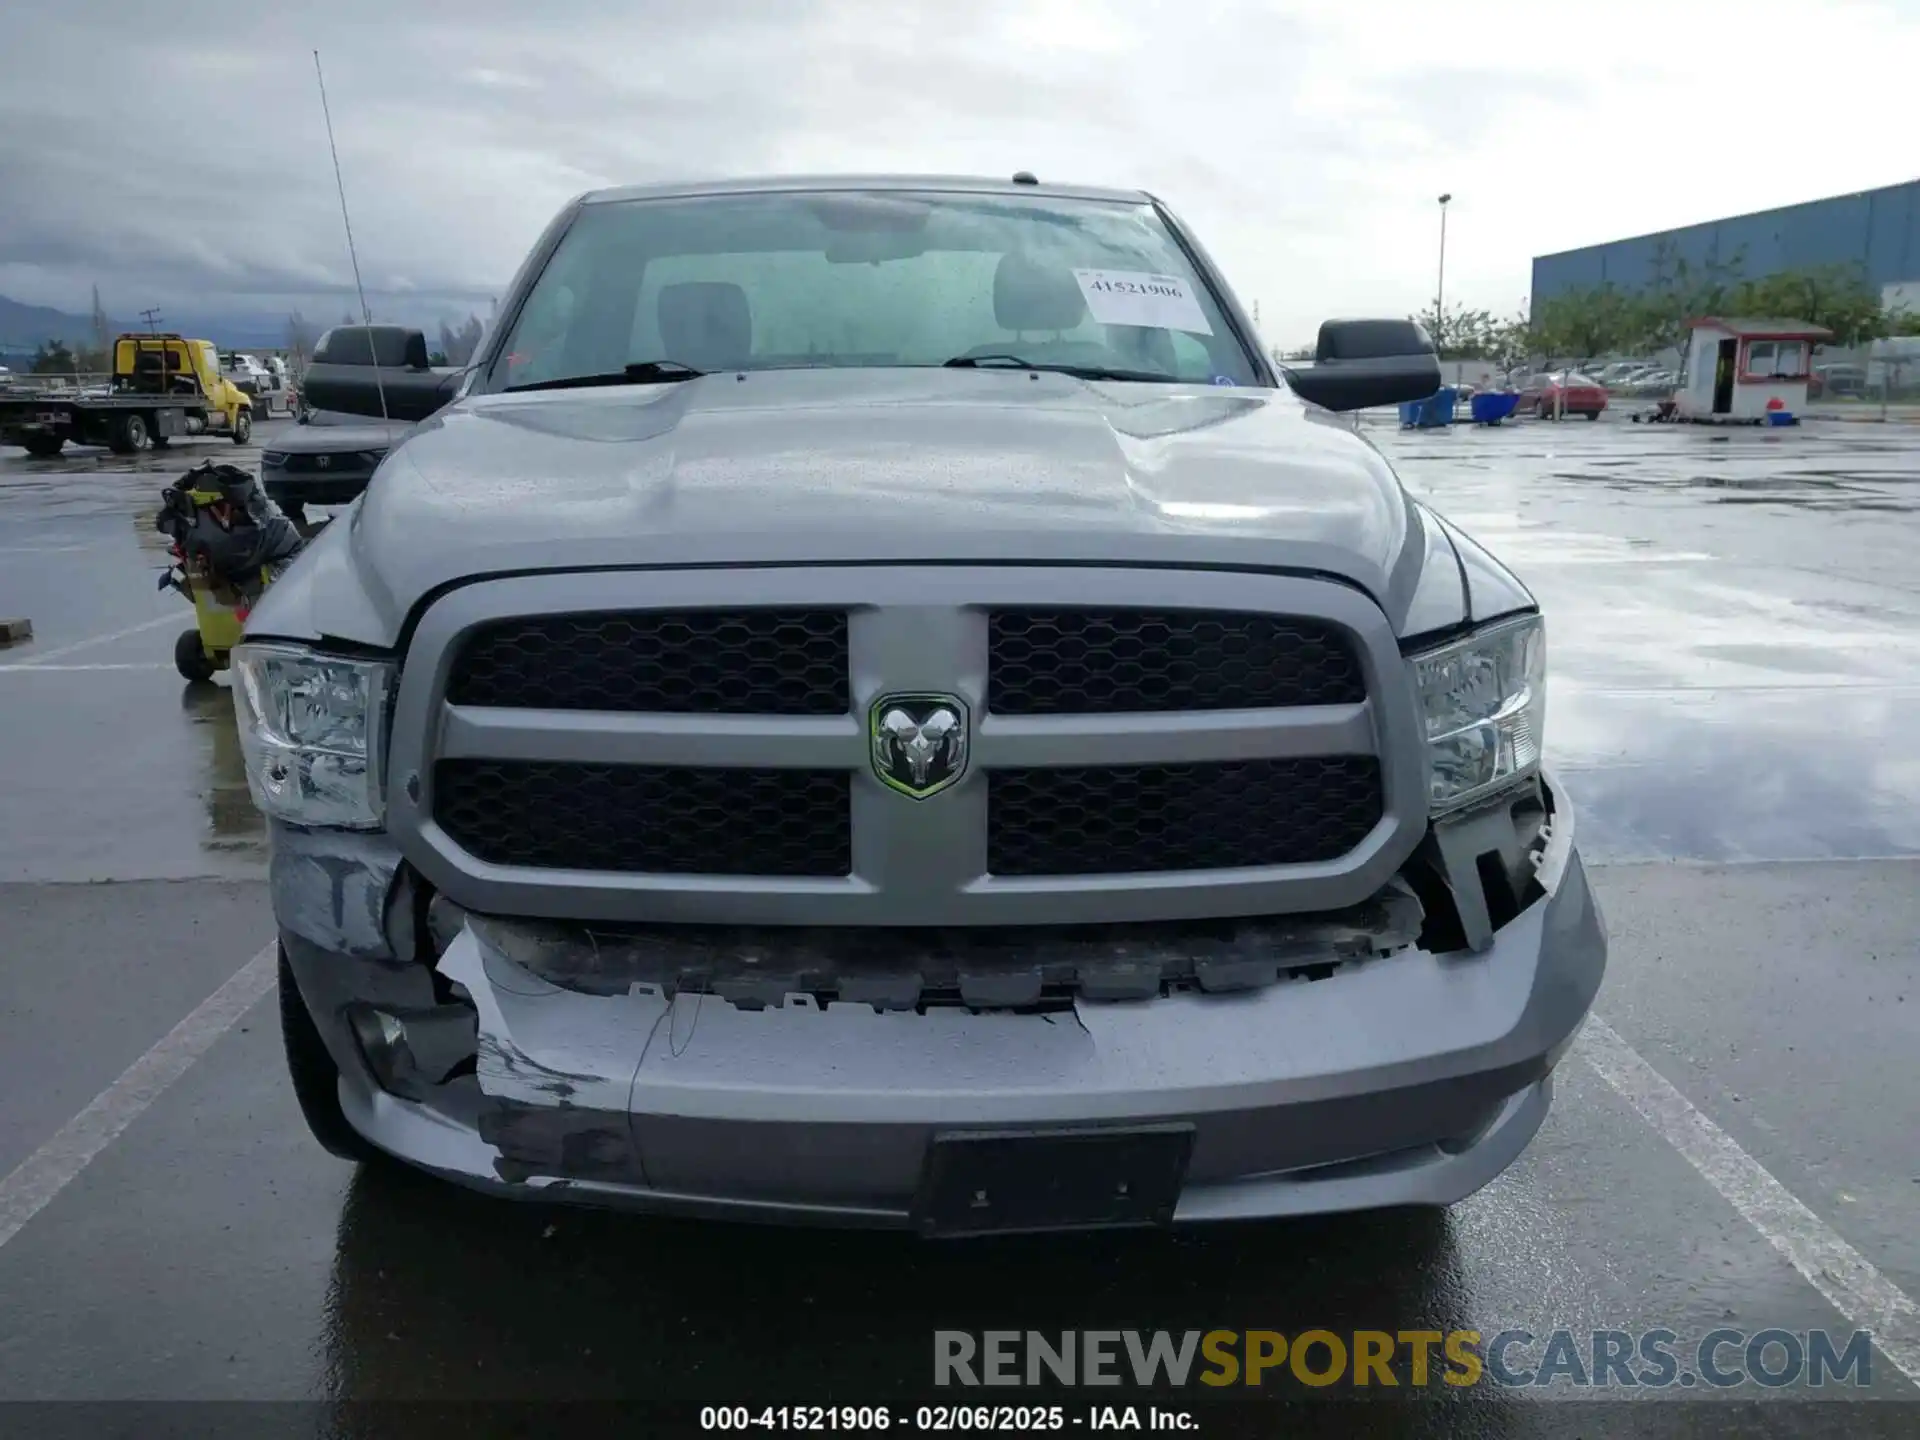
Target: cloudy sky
(179,159)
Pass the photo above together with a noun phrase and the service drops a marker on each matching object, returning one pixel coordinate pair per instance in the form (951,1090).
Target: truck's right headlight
(313,730)
(1484,702)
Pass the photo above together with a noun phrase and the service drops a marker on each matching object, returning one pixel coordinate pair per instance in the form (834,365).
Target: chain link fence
(1881,375)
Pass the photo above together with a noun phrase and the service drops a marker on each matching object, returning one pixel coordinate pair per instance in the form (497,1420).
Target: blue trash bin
(1435,410)
(1490,407)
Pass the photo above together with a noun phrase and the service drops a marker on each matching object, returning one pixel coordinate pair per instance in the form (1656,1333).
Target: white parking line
(1851,1284)
(1849,1281)
(54,654)
(34,1182)
(28,667)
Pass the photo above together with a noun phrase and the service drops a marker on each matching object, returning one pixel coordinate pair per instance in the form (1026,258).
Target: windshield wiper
(641,372)
(1079,372)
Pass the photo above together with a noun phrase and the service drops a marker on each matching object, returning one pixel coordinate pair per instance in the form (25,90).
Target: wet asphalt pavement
(1735,639)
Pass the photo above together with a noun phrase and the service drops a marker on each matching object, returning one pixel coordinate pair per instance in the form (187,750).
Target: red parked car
(1541,395)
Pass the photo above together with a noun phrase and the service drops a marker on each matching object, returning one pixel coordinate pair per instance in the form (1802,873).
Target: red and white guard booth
(1746,372)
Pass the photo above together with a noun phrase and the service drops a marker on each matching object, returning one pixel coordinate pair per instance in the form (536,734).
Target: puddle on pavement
(1722,773)
(233,825)
(1843,490)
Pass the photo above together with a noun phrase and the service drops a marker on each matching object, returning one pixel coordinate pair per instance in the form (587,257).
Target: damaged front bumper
(1315,1070)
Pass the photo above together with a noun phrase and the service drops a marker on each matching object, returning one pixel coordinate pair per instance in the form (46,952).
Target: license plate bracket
(1001,1182)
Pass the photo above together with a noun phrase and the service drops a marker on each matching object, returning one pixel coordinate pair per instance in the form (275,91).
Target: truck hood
(839,466)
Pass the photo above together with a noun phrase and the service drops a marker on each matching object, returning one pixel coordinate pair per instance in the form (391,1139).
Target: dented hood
(849,466)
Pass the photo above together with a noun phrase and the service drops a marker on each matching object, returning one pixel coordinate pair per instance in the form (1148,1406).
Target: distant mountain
(24,328)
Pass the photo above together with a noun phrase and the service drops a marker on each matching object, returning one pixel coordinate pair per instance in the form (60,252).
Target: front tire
(190,658)
(316,1079)
(243,427)
(44,447)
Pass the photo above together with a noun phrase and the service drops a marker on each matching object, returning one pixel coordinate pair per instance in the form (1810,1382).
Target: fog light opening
(411,1052)
(383,1044)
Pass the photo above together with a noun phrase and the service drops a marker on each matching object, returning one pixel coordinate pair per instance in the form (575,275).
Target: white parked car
(265,381)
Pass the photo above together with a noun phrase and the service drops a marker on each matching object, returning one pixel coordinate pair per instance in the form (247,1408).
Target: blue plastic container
(1427,414)
(1490,407)
(1782,417)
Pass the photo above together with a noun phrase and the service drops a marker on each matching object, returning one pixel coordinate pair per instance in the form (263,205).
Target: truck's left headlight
(1484,702)
(313,730)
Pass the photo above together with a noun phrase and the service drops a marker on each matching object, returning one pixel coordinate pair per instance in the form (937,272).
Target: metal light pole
(1440,290)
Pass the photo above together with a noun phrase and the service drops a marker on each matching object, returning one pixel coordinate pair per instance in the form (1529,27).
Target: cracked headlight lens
(1483,700)
(313,730)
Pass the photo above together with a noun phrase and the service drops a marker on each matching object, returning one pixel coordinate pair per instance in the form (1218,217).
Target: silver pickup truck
(873,701)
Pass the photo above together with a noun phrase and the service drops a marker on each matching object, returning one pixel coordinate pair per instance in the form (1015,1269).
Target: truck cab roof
(949,184)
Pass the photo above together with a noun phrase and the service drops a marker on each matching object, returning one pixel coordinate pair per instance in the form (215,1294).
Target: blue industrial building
(1879,229)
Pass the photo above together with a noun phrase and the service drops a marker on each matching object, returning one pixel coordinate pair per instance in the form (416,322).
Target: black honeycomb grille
(1118,819)
(696,662)
(643,818)
(1102,662)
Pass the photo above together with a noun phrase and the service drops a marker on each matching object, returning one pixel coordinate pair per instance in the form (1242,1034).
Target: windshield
(803,280)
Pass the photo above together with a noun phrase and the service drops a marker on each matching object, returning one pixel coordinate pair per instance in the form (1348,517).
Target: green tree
(1579,323)
(1511,342)
(1678,291)
(1605,320)
(1834,297)
(459,342)
(53,358)
(1458,334)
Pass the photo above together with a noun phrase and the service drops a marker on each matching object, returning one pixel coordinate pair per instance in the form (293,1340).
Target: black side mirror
(380,393)
(344,375)
(1358,364)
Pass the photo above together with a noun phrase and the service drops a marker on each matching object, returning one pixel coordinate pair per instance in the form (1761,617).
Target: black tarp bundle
(237,536)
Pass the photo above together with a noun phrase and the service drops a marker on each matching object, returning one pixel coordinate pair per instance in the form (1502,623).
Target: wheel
(190,658)
(1542,410)
(127,435)
(1593,414)
(316,1079)
(243,427)
(44,447)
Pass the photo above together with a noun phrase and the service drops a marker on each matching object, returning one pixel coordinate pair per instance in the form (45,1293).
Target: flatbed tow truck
(163,387)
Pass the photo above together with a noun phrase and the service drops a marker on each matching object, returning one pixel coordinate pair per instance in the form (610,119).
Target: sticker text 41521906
(1136,297)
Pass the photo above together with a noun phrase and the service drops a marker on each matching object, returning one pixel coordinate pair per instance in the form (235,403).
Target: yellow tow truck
(163,387)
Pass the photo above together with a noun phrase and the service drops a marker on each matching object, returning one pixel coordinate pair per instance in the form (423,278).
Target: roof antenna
(366,315)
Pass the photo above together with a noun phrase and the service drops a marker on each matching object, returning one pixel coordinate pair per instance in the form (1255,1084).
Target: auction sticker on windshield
(1134,297)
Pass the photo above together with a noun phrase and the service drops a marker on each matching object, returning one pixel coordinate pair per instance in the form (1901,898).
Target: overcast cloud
(179,159)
